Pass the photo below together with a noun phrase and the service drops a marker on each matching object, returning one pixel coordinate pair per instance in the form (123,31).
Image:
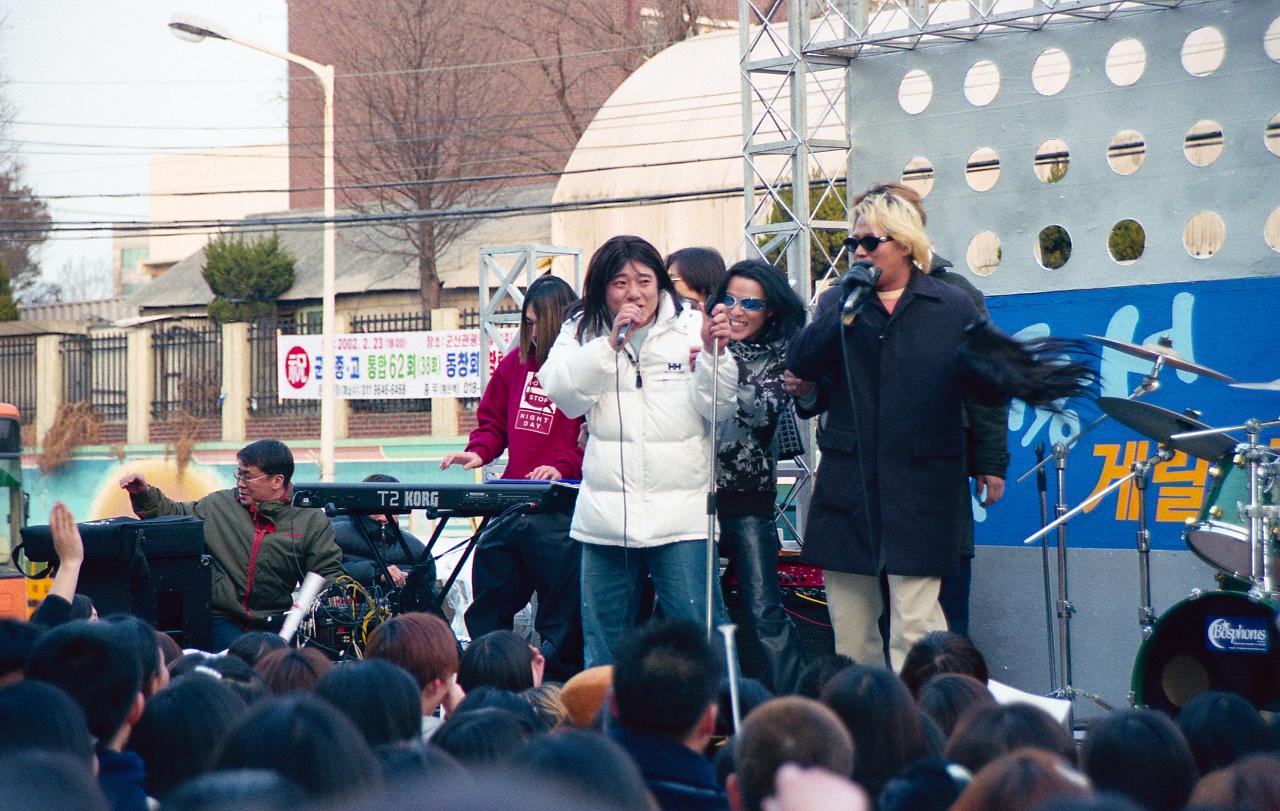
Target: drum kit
(1225,639)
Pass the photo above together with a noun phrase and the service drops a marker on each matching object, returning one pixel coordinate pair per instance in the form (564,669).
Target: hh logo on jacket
(536,411)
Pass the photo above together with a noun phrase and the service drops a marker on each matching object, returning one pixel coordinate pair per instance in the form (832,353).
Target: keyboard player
(529,554)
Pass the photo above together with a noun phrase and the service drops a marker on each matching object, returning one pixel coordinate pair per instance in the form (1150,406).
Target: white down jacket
(646,469)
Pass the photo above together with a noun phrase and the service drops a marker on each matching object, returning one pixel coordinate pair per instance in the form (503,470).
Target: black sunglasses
(869,243)
(749,305)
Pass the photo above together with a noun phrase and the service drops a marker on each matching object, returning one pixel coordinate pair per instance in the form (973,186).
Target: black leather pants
(751,545)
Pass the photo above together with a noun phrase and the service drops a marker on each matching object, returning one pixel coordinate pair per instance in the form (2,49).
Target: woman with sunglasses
(890,360)
(763,315)
(622,359)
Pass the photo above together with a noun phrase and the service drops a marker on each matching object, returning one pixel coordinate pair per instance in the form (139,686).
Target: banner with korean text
(387,365)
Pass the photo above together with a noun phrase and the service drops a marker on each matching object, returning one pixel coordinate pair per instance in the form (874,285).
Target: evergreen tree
(246,276)
(8,307)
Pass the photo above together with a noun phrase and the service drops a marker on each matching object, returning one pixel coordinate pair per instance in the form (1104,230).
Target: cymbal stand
(1141,471)
(1065,689)
(1254,456)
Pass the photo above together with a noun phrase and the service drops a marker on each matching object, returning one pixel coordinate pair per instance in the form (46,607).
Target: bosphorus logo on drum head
(1238,634)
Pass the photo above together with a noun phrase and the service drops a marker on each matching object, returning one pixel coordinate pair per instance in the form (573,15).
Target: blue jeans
(613,581)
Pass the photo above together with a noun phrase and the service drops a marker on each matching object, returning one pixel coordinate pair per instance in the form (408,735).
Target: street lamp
(191,28)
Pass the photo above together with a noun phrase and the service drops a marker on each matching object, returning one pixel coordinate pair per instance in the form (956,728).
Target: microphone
(857,284)
(624,334)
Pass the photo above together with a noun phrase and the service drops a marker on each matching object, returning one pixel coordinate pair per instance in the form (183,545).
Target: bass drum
(1214,640)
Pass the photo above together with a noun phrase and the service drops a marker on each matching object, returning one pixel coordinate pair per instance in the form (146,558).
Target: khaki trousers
(855,605)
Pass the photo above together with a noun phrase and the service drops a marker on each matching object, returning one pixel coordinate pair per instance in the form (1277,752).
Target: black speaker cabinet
(155,569)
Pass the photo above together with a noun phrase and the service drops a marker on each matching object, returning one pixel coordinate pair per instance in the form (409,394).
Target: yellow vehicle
(13,513)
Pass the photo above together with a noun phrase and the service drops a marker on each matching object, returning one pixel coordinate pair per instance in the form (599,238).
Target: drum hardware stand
(1042,486)
(1251,454)
(1065,689)
(1141,471)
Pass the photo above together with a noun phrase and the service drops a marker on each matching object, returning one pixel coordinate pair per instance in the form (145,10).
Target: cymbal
(1153,351)
(1160,424)
(1274,385)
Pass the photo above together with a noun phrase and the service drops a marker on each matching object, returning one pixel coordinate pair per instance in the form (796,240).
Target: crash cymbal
(1153,351)
(1274,385)
(1160,424)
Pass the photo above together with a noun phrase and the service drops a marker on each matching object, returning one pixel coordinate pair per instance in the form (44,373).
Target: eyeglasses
(748,305)
(869,243)
(243,476)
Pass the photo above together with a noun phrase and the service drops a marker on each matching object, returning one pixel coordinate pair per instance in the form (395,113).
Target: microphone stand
(1043,486)
(712,562)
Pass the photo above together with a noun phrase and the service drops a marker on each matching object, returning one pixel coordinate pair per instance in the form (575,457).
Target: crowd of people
(670,389)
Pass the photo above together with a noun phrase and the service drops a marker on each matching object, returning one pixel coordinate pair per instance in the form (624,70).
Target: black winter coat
(358,559)
(892,489)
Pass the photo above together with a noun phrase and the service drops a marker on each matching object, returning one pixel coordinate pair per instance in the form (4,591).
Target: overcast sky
(107,73)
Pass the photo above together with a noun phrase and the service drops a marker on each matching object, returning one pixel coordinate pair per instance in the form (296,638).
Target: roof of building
(368,258)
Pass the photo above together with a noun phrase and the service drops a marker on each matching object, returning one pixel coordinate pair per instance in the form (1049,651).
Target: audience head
(545,303)
(97,665)
(254,645)
(499,659)
(181,727)
(143,642)
(792,729)
(1026,778)
(422,644)
(82,608)
(696,273)
(405,761)
(1221,728)
(16,641)
(293,670)
(546,704)
(584,694)
(930,784)
(946,697)
(236,790)
(35,716)
(942,652)
(382,700)
(492,698)
(665,681)
(1251,783)
(170,651)
(751,694)
(589,763)
(49,781)
(985,734)
(482,737)
(302,738)
(818,672)
(884,722)
(1140,753)
(234,673)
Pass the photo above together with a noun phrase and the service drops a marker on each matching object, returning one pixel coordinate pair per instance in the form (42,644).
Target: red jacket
(515,414)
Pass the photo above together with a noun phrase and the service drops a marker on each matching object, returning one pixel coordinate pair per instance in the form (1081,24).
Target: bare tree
(410,104)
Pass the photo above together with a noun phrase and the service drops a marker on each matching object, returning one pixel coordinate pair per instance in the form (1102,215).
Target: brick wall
(364,425)
(209,431)
(112,433)
(284,427)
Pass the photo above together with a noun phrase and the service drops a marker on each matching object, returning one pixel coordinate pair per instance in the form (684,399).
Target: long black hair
(786,310)
(548,297)
(606,262)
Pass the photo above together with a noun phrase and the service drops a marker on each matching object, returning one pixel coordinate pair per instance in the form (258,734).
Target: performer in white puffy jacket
(624,359)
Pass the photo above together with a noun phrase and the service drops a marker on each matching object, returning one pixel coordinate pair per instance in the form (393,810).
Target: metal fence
(95,370)
(264,379)
(391,322)
(18,374)
(187,359)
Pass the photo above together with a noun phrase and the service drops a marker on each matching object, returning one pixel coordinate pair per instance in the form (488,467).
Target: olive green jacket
(259,554)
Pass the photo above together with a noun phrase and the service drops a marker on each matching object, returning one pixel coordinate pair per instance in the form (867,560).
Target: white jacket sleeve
(727,393)
(575,375)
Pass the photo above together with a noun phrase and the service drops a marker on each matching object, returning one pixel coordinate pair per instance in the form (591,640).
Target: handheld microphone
(624,334)
(858,283)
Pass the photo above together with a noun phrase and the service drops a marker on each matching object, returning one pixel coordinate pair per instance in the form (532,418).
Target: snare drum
(1215,640)
(1220,534)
